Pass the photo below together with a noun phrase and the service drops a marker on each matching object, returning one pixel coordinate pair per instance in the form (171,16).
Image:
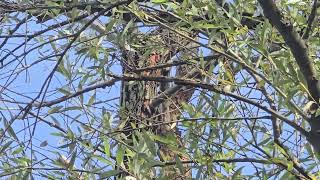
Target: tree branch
(78,93)
(296,44)
(188,82)
(311,20)
(235,160)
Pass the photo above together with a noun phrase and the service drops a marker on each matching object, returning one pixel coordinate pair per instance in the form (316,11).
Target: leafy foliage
(60,86)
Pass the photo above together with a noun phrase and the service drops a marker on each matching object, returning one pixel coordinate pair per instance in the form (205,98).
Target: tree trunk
(137,97)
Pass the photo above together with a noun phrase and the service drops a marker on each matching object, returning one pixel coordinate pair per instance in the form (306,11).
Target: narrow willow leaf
(150,143)
(236,174)
(119,156)
(10,130)
(64,91)
(44,143)
(5,146)
(54,109)
(106,147)
(17,151)
(159,1)
(92,99)
(108,174)
(179,164)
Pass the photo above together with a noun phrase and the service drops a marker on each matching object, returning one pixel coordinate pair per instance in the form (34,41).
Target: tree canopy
(142,89)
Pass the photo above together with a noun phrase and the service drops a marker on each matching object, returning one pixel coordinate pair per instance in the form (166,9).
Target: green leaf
(106,147)
(92,99)
(202,63)
(287,176)
(237,173)
(159,1)
(10,129)
(166,139)
(150,144)
(108,174)
(44,143)
(17,151)
(203,25)
(71,108)
(5,146)
(110,25)
(125,30)
(106,119)
(54,109)
(119,156)
(283,151)
(289,166)
(103,160)
(56,122)
(61,69)
(23,160)
(188,108)
(64,91)
(57,134)
(278,160)
(179,164)
(74,13)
